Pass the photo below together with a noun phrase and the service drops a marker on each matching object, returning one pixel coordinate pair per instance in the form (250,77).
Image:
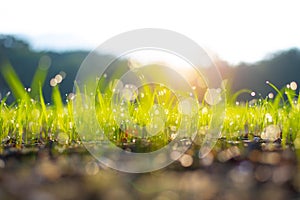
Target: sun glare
(145,57)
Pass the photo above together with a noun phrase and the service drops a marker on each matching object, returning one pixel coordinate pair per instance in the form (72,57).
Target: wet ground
(234,170)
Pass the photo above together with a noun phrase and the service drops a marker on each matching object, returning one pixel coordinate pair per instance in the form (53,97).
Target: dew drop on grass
(271,133)
(58,78)
(293,85)
(53,82)
(252,94)
(173,128)
(71,96)
(204,110)
(62,138)
(35,113)
(269,117)
(271,95)
(173,136)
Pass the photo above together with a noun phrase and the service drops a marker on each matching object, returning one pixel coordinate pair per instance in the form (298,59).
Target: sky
(235,30)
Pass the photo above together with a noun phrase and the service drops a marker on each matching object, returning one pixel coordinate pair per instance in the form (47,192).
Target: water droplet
(173,136)
(293,85)
(269,117)
(62,138)
(173,128)
(58,78)
(271,95)
(53,82)
(71,96)
(204,110)
(253,94)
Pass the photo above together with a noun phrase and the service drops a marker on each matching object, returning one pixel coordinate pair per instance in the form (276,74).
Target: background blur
(250,41)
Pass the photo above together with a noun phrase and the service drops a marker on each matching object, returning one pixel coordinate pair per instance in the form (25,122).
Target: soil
(233,170)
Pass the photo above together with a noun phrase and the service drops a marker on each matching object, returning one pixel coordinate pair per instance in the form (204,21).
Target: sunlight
(145,57)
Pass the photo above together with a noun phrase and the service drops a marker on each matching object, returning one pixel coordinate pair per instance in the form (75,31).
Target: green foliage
(13,80)
(29,119)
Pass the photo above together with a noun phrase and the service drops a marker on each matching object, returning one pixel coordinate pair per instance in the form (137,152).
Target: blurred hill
(26,61)
(280,68)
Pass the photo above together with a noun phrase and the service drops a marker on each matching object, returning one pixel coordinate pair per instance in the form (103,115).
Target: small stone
(271,133)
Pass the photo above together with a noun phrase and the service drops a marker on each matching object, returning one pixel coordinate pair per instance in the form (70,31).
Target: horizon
(212,54)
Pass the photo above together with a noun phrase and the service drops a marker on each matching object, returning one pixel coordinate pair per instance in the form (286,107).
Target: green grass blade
(13,81)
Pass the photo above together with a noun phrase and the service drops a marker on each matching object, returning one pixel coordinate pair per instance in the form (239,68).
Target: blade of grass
(13,81)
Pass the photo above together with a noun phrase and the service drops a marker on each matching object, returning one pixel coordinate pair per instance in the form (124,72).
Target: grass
(29,120)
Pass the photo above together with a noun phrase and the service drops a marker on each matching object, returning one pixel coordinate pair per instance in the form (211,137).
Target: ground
(245,170)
